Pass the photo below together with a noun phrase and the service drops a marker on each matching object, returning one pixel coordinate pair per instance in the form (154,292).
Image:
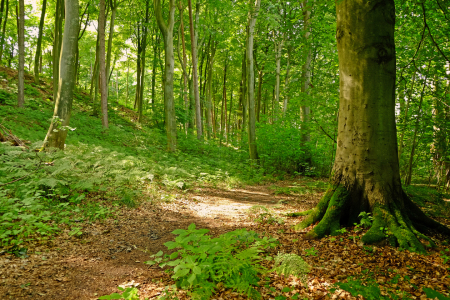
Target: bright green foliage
(366,219)
(202,261)
(291,264)
(311,252)
(128,294)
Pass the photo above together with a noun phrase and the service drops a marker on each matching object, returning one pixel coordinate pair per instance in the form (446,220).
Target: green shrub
(202,262)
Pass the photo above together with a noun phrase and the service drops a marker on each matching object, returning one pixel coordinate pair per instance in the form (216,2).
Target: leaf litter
(112,252)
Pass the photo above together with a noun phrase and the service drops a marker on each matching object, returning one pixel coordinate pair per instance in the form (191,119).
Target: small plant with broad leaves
(201,262)
(311,252)
(366,219)
(130,293)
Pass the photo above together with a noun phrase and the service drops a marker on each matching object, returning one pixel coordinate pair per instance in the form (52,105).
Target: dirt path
(112,253)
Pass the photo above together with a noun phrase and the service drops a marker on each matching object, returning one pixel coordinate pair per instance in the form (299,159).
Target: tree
(21,32)
(102,64)
(198,114)
(39,43)
(57,132)
(2,38)
(169,105)
(252,16)
(365,174)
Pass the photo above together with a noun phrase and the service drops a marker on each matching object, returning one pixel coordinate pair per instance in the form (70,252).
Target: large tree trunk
(366,174)
(113,6)
(102,64)
(198,113)
(21,40)
(144,46)
(57,132)
(2,39)
(169,105)
(253,14)
(39,43)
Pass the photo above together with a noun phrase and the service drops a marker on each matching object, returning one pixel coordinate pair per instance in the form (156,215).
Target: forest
(207,149)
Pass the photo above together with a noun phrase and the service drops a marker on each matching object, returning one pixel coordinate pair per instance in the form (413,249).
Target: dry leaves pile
(111,253)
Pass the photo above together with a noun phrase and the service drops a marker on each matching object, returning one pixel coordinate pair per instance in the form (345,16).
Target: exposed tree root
(400,227)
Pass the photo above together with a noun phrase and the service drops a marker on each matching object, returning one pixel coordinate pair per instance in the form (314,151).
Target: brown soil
(113,252)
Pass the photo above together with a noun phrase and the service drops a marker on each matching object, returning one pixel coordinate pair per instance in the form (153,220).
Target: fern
(291,264)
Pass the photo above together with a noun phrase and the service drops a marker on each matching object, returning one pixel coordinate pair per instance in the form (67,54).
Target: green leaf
(174,255)
(286,290)
(180,273)
(192,278)
(171,245)
(160,253)
(197,270)
(150,262)
(191,226)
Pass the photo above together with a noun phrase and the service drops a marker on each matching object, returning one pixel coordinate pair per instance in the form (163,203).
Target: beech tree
(169,105)
(365,174)
(21,33)
(57,132)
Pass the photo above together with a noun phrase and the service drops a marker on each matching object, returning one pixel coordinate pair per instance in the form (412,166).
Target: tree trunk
(113,6)
(144,46)
(2,39)
(253,15)
(57,38)
(102,65)
(366,174)
(260,81)
(224,99)
(198,113)
(209,91)
(183,62)
(39,43)
(278,48)
(169,105)
(306,75)
(21,41)
(286,82)
(406,119)
(229,117)
(57,132)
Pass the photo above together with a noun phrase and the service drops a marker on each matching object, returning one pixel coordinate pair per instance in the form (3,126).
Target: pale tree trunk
(183,63)
(113,4)
(102,65)
(229,116)
(21,40)
(57,40)
(366,174)
(252,16)
(57,132)
(39,43)
(260,82)
(2,38)
(278,48)
(169,105)
(198,113)
(306,74)
(209,91)
(224,100)
(286,82)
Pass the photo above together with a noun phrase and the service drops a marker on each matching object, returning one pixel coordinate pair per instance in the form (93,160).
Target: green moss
(317,212)
(300,213)
(330,222)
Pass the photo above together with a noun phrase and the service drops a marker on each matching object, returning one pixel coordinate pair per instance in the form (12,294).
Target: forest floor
(112,252)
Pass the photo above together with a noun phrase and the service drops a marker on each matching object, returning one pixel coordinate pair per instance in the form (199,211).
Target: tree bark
(39,43)
(113,6)
(21,41)
(253,15)
(102,64)
(278,48)
(2,39)
(57,39)
(366,174)
(198,113)
(169,105)
(286,82)
(57,132)
(144,46)
(306,75)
